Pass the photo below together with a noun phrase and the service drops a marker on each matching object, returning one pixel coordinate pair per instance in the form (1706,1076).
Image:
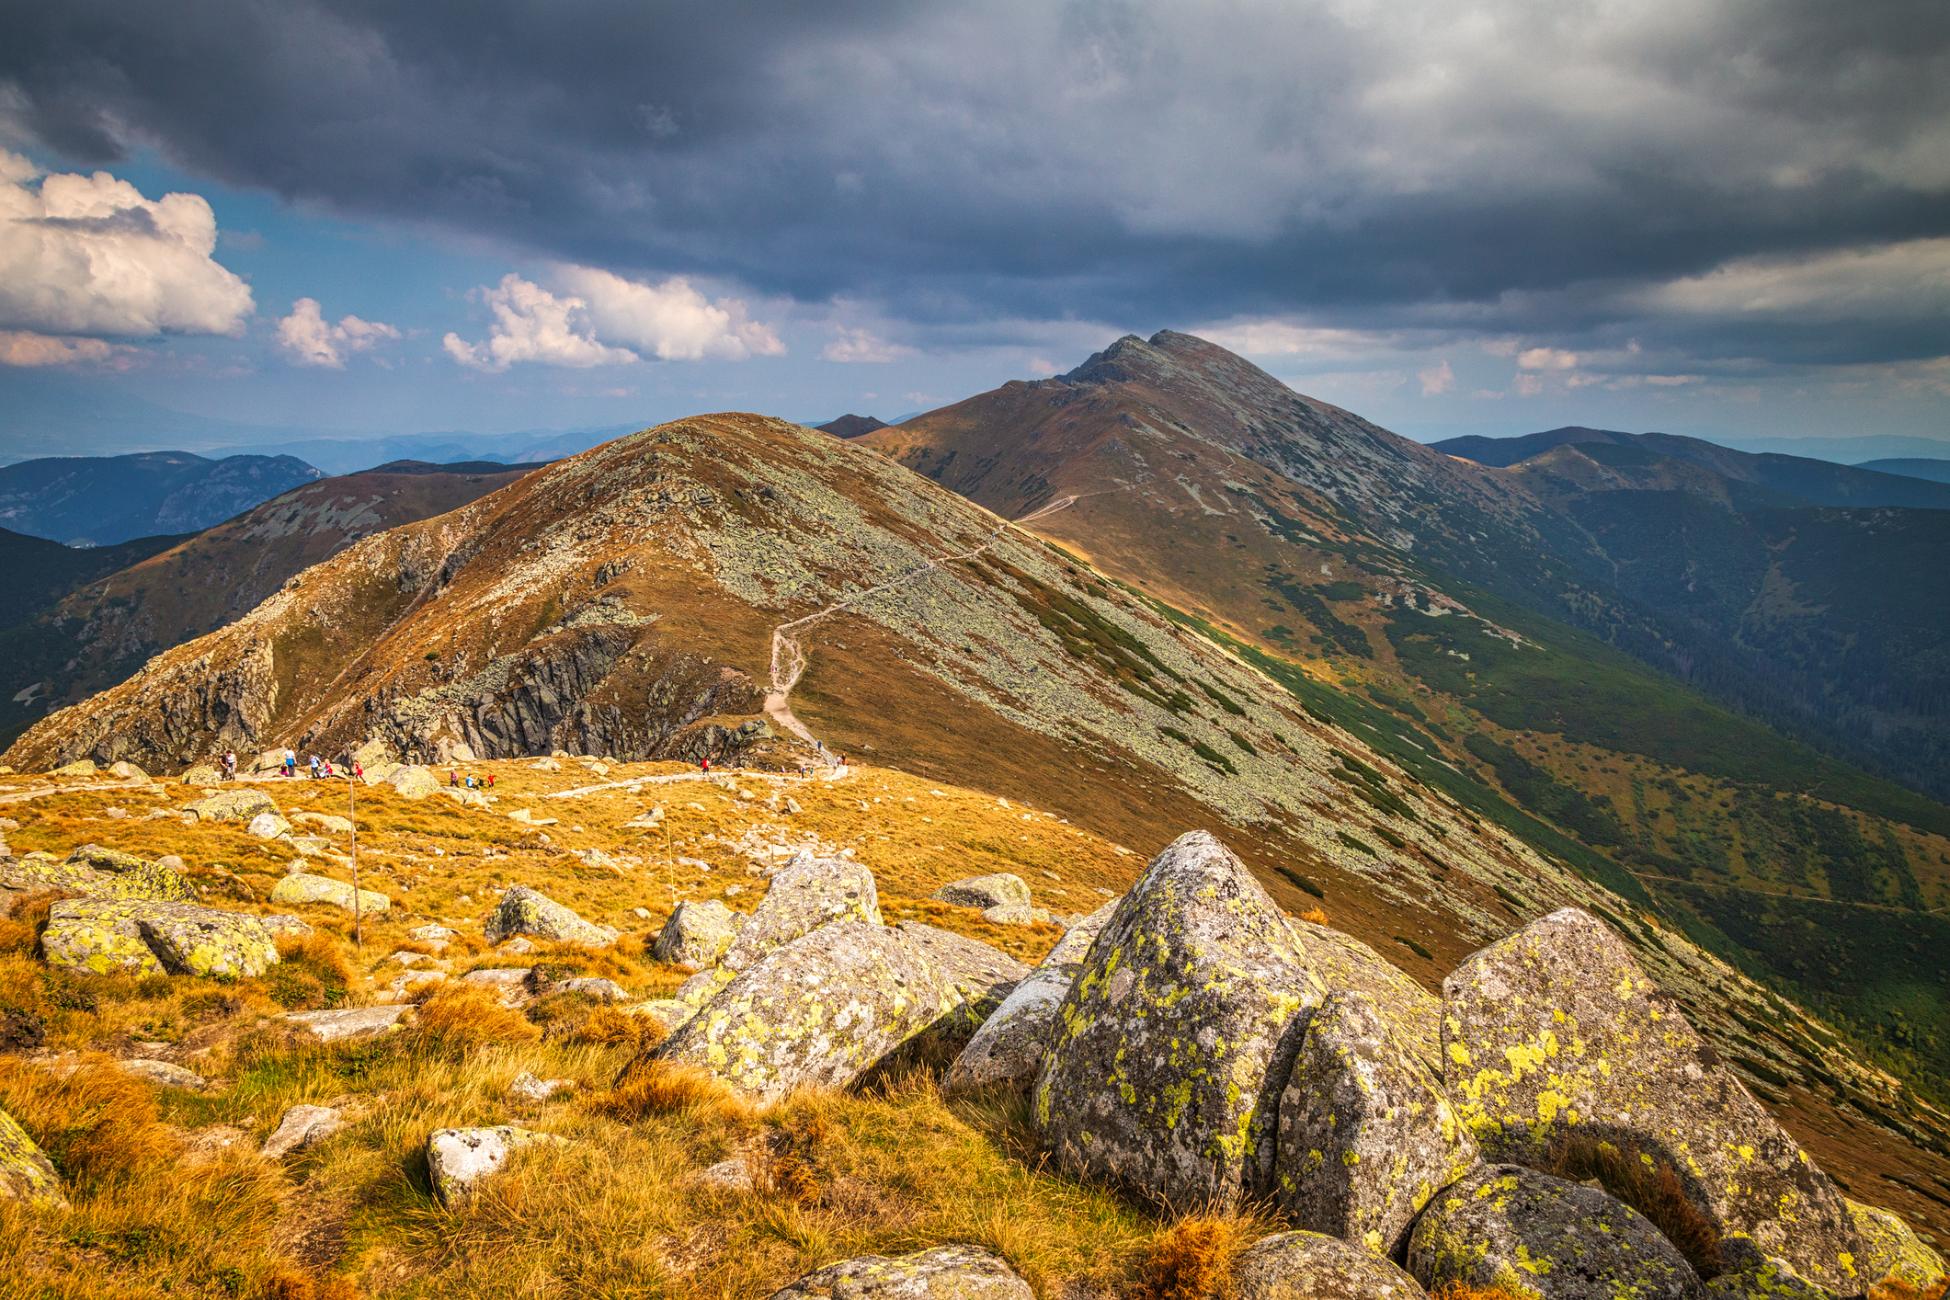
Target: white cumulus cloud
(1437,379)
(595,318)
(26,348)
(83,255)
(1546,359)
(313,341)
(862,346)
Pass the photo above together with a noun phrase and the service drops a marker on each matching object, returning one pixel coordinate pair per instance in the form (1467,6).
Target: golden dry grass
(1466,1291)
(1191,1258)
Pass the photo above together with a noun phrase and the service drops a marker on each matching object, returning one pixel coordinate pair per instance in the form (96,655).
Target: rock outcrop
(1310,1266)
(1892,1252)
(1366,1135)
(978,975)
(304,887)
(139,937)
(94,872)
(1003,889)
(944,1273)
(1007,1050)
(822,1010)
(1175,1040)
(526,911)
(1555,1036)
(1535,1235)
(696,935)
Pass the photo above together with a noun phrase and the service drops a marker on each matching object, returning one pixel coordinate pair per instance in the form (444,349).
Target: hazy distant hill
(852,426)
(1937,471)
(101,500)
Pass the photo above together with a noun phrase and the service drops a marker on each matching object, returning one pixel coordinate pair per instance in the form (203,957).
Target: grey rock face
(697,934)
(979,974)
(526,911)
(823,1010)
(1002,889)
(1366,1133)
(1175,1040)
(301,1127)
(944,1273)
(1007,1050)
(805,894)
(1309,1266)
(1556,1034)
(349,1023)
(1508,1226)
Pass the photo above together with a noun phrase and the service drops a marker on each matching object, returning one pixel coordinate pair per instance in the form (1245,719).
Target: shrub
(1192,1258)
(458,1016)
(648,1088)
(311,973)
(97,1124)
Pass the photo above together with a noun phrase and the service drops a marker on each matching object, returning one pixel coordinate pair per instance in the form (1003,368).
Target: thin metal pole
(352,809)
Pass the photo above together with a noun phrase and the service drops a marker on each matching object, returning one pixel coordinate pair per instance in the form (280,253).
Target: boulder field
(1196,1046)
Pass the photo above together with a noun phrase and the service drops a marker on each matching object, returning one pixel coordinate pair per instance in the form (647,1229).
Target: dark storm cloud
(1508,166)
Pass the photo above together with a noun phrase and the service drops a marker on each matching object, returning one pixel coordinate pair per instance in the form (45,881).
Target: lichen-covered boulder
(1309,1266)
(1892,1252)
(526,911)
(26,1174)
(304,887)
(139,937)
(1003,889)
(268,826)
(1175,1040)
(1535,1235)
(944,1273)
(80,767)
(666,1013)
(1556,1035)
(414,783)
(1366,1133)
(459,1158)
(1007,1050)
(822,1011)
(232,805)
(95,872)
(202,775)
(979,975)
(697,934)
(805,894)
(1412,1013)
(1764,1278)
(97,936)
(127,771)
(207,941)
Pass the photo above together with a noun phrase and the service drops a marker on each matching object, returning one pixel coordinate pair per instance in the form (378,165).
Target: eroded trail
(789,655)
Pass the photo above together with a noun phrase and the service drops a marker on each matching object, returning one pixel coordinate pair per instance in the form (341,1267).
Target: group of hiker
(319,769)
(458,780)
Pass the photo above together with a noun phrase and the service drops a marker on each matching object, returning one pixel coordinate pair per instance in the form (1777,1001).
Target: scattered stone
(304,887)
(944,1273)
(232,805)
(526,1087)
(547,765)
(414,783)
(511,982)
(201,775)
(327,822)
(1309,1266)
(347,1023)
(212,1140)
(268,826)
(436,937)
(1007,1050)
(1892,1252)
(1174,1041)
(999,890)
(1504,1225)
(163,1073)
(116,814)
(1555,1033)
(140,937)
(592,987)
(127,771)
(733,1175)
(459,1158)
(26,1174)
(525,911)
(80,767)
(515,947)
(822,1010)
(301,1127)
(1366,1133)
(285,923)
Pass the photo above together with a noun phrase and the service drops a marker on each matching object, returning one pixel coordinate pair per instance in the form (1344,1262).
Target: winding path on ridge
(789,655)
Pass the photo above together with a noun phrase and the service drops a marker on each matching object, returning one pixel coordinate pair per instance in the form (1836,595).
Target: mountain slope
(852,426)
(111,619)
(1441,634)
(1936,471)
(98,501)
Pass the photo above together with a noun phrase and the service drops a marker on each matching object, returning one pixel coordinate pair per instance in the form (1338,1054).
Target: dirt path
(789,655)
(42,791)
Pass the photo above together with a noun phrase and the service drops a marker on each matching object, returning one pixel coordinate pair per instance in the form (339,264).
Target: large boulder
(804,894)
(138,937)
(526,911)
(1003,889)
(304,887)
(1892,1252)
(822,1011)
(94,872)
(696,935)
(1556,1040)
(1412,1013)
(1309,1266)
(80,767)
(1176,1039)
(347,1023)
(1366,1134)
(944,1273)
(26,1174)
(413,782)
(202,775)
(1007,1050)
(1539,1236)
(268,826)
(127,771)
(232,805)
(459,1158)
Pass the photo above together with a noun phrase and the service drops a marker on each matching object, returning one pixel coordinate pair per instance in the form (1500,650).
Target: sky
(225,219)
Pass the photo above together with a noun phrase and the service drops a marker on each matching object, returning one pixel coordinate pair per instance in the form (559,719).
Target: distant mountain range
(1937,471)
(102,500)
